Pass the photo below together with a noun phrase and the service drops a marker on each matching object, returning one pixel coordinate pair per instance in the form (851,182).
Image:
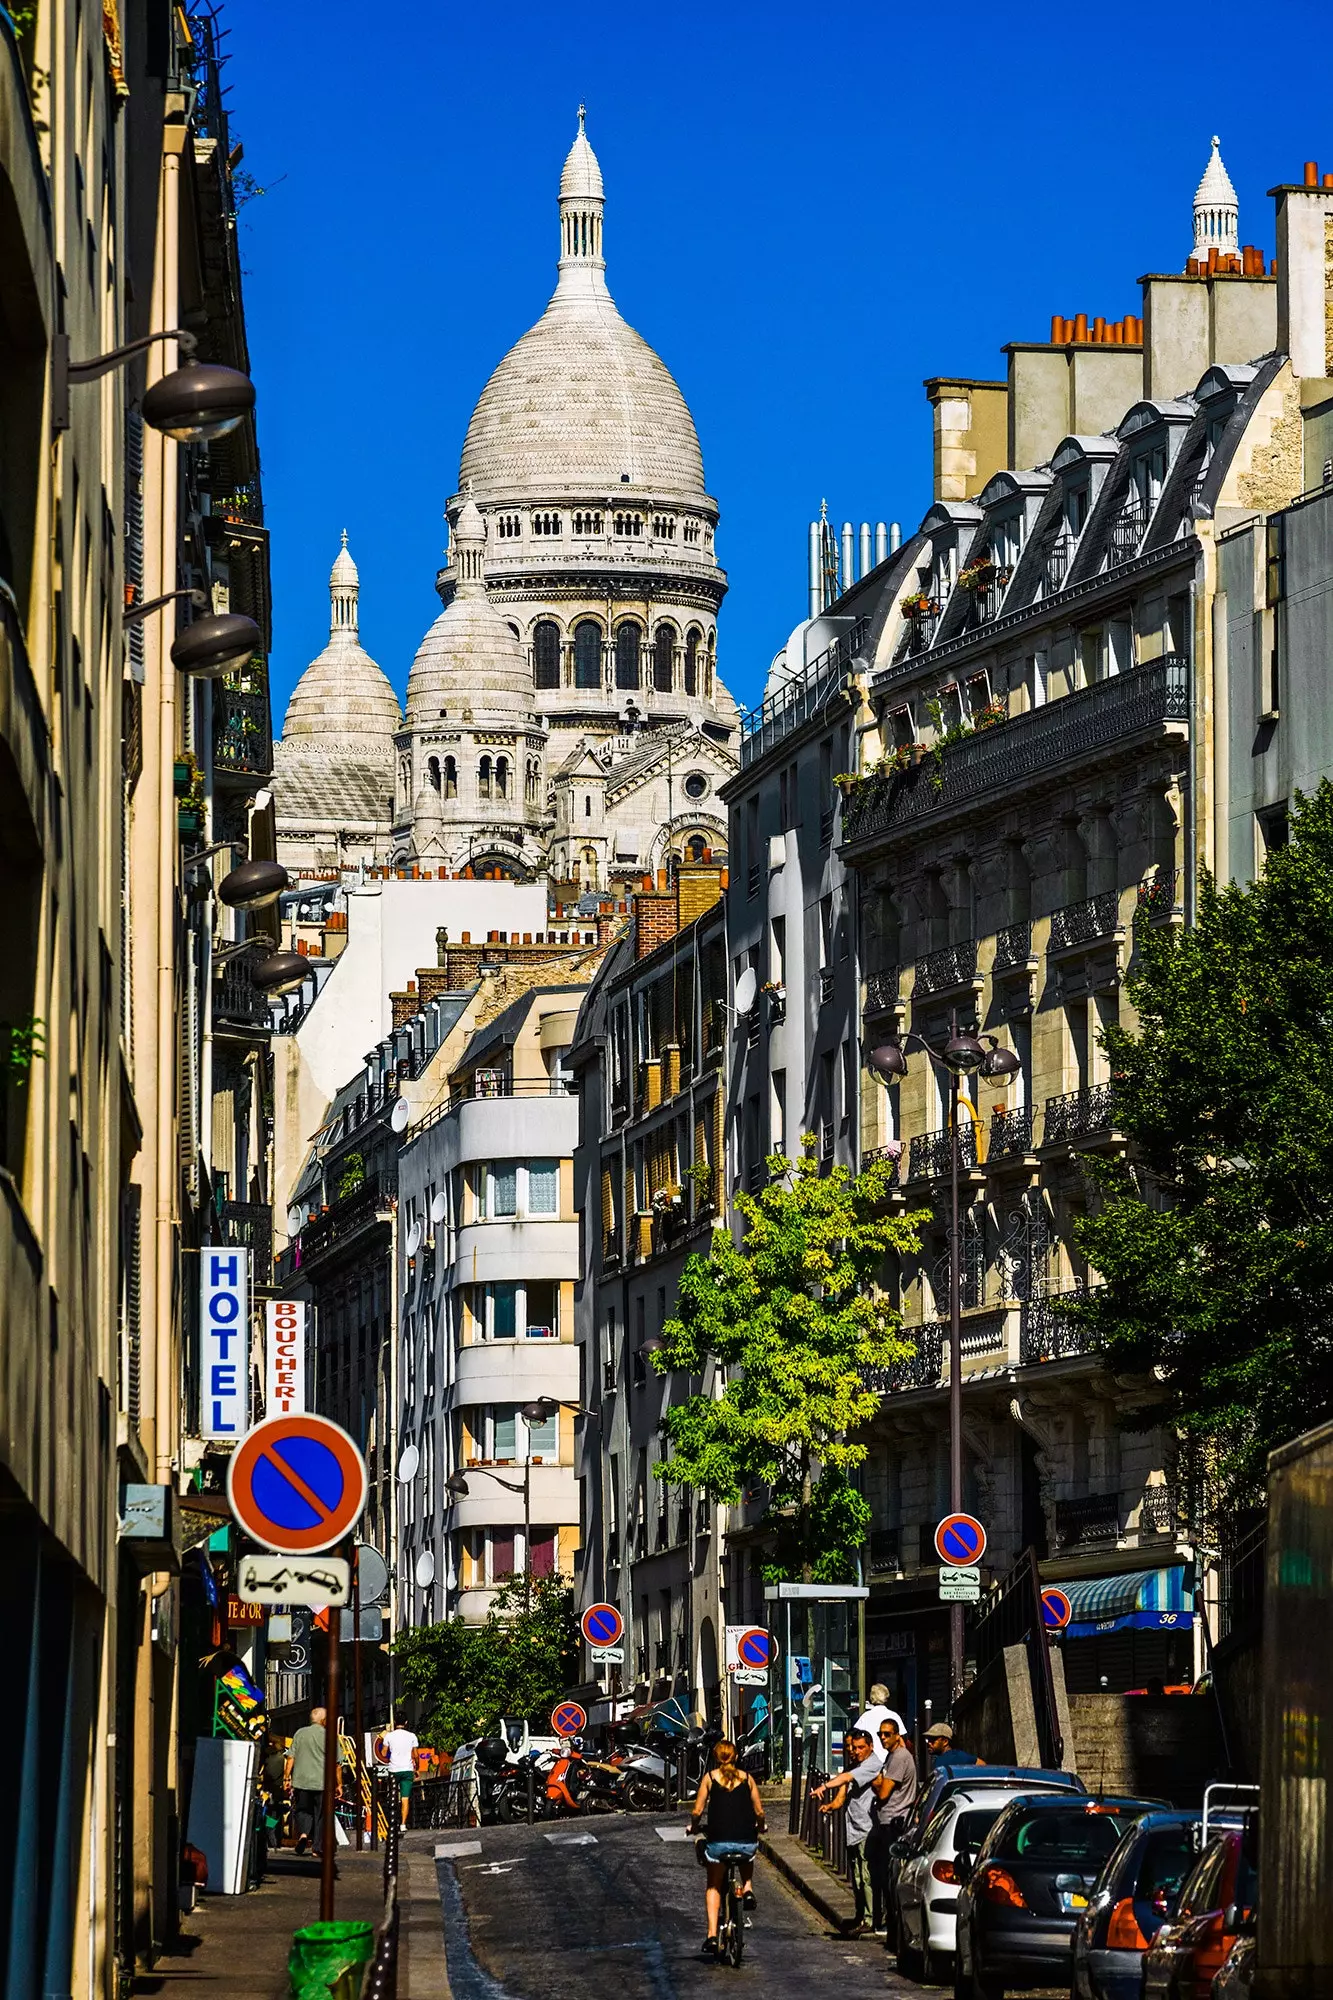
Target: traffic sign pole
(357,1719)
(328,1837)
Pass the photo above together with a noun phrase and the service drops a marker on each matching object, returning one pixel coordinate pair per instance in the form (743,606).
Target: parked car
(944,1784)
(1217,1904)
(1021,1896)
(1236,1979)
(927,1880)
(1136,1893)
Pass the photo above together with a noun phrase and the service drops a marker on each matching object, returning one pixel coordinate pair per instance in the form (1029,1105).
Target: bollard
(532,1793)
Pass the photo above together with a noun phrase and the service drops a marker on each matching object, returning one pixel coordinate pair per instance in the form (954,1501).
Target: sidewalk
(232,1944)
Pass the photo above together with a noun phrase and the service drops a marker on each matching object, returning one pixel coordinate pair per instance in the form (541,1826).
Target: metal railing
(1013,947)
(1025,746)
(882,989)
(954,965)
(1158,897)
(1079,1114)
(1087,922)
(801,697)
(1046,1333)
(892,1152)
(1010,1133)
(929,1158)
(250,1225)
(1092,1517)
(1128,529)
(242,731)
(486,1084)
(356,1211)
(920,1370)
(1058,557)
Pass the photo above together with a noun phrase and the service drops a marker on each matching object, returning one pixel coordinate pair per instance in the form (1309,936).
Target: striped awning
(1151,1598)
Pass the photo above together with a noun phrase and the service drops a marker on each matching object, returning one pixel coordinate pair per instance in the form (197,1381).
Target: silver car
(927,1889)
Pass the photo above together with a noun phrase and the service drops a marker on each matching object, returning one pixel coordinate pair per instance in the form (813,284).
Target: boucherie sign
(284,1357)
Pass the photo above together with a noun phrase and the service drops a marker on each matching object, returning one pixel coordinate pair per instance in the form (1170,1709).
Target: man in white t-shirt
(394,1749)
(877,1711)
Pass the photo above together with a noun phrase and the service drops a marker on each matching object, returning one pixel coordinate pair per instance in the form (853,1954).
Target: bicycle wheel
(735,1924)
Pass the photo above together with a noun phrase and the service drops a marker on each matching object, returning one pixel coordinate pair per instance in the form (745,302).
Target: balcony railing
(238,1002)
(940,971)
(1013,948)
(1128,530)
(921,1370)
(882,990)
(883,1552)
(893,1152)
(801,697)
(498,1083)
(249,1224)
(1088,922)
(1158,897)
(1092,1517)
(1057,563)
(242,731)
(930,1154)
(1079,1114)
(1060,733)
(347,1218)
(1010,1133)
(826,982)
(1046,1334)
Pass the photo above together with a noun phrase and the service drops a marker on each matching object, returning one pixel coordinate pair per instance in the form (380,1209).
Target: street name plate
(960,1584)
(608,1656)
(315,1580)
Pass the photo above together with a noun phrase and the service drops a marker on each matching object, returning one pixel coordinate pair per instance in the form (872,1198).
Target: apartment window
(752,855)
(502,1436)
(849,1070)
(1271,833)
(1076,509)
(543,1188)
(500,1310)
(904,732)
(1036,680)
(503,1311)
(778,1119)
(825,931)
(505,1189)
(777,951)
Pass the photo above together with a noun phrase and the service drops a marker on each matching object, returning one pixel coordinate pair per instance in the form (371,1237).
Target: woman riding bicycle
(730,1812)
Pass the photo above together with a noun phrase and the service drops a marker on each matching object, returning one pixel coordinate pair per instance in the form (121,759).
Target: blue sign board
(224,1342)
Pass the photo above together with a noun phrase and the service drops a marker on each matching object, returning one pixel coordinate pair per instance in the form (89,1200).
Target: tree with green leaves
(1215,1239)
(516,1664)
(790,1319)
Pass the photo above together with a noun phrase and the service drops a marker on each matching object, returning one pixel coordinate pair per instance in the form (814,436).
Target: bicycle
(732,1921)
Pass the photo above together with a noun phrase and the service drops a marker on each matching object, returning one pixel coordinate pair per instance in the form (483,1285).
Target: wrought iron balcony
(1060,733)
(1010,1133)
(1088,922)
(238,1003)
(1092,1517)
(893,1153)
(1058,557)
(883,1552)
(1079,1114)
(249,1224)
(931,1151)
(1013,948)
(940,971)
(921,1370)
(1129,528)
(1158,897)
(347,1218)
(242,730)
(1046,1333)
(882,990)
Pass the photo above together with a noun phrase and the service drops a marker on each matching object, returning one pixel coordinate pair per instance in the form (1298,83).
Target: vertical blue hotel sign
(224,1389)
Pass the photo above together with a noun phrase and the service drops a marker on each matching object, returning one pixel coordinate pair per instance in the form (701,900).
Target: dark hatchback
(1217,1905)
(946,1779)
(1136,1893)
(1031,1879)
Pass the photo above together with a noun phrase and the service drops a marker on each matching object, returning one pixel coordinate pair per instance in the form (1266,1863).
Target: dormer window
(1076,509)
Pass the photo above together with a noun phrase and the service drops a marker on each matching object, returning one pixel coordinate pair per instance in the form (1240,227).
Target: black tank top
(731,1814)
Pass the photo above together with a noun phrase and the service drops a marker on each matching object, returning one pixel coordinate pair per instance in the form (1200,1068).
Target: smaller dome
(1216,185)
(469,658)
(581,177)
(344,571)
(343,691)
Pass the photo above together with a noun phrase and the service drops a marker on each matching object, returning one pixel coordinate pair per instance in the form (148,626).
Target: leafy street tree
(1216,1242)
(790,1319)
(516,1664)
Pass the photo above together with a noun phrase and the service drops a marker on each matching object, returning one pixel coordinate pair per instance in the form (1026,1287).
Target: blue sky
(809,211)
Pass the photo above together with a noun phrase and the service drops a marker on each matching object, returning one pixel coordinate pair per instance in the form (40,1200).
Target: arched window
(589,870)
(450,778)
(587,654)
(692,660)
(546,654)
(484,778)
(433,773)
(502,777)
(664,658)
(629,644)
(587,805)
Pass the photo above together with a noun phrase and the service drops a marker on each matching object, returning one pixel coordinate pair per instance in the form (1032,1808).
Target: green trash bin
(322,1953)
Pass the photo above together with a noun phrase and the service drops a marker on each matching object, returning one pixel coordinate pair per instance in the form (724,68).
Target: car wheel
(934,1967)
(907,1958)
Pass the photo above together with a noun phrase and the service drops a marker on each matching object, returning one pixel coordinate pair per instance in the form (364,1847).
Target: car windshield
(1065,1838)
(974,1824)
(1167,1859)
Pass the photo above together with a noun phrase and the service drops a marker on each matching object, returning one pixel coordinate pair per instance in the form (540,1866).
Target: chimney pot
(1057,330)
(1080,326)
(1099,328)
(1312,173)
(1328,180)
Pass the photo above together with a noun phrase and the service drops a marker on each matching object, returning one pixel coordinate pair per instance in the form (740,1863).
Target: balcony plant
(920,604)
(352,1176)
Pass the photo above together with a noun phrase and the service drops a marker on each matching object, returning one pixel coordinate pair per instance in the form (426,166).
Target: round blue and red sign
(960,1540)
(297,1484)
(602,1625)
(1056,1610)
(569,1719)
(755,1648)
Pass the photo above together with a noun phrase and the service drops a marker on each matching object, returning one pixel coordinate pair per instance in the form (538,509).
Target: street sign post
(602,1625)
(1056,1610)
(296,1484)
(283,1580)
(569,1719)
(607,1656)
(960,1584)
(749,1651)
(960,1540)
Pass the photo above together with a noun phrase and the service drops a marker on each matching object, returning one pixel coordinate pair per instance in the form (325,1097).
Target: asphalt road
(619,1916)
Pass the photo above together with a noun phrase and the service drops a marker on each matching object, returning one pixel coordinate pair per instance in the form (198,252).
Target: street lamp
(273,972)
(253,885)
(195,402)
(962,1055)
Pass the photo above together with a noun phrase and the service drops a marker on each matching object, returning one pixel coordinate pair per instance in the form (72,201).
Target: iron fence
(1010,1133)
(1086,922)
(1079,1114)
(954,965)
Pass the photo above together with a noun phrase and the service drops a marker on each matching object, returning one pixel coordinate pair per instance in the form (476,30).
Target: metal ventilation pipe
(866,564)
(848,555)
(895,536)
(816,592)
(881,542)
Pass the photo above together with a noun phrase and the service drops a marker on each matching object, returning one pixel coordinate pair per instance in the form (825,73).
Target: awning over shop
(1149,1599)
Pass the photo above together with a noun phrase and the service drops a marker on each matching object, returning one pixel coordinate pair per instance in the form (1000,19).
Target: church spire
(582,200)
(469,550)
(1216,211)
(344,590)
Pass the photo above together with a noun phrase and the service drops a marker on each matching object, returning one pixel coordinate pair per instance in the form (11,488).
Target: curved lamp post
(194,402)
(962,1055)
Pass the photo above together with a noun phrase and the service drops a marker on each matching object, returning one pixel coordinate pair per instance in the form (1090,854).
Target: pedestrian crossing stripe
(676,1832)
(572,1839)
(454,1850)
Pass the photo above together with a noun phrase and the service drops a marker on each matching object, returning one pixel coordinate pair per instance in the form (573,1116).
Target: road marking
(569,1840)
(676,1832)
(492,1868)
(454,1850)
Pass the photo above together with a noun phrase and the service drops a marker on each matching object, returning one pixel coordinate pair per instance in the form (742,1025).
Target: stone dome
(581,402)
(470,657)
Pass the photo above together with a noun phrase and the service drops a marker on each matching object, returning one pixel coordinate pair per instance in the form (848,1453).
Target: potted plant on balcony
(776,995)
(920,604)
(700,1177)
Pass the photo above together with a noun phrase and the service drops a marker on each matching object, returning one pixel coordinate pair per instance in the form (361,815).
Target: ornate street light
(195,402)
(961,1055)
(253,885)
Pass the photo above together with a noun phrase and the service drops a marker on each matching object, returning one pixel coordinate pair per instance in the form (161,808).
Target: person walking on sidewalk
(894,1787)
(398,1747)
(852,1788)
(305,1781)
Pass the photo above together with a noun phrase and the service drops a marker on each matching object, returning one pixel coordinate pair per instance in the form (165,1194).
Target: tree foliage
(790,1320)
(1216,1245)
(516,1664)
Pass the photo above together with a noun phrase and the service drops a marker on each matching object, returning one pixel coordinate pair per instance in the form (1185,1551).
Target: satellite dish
(425,1571)
(400,1114)
(408,1463)
(451,1580)
(746,988)
(437,1208)
(372,1573)
(295,1217)
(414,1239)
